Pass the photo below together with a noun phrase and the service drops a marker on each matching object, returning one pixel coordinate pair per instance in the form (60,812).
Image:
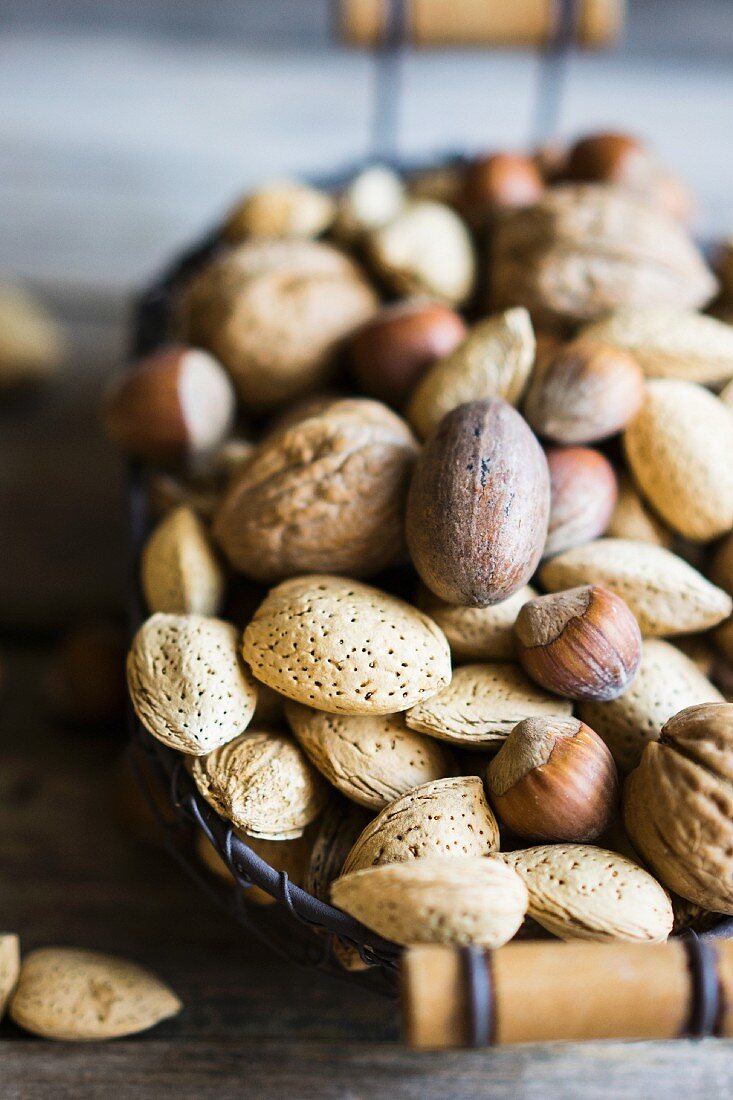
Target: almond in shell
(449,817)
(180,572)
(665,594)
(438,899)
(73,995)
(187,683)
(345,648)
(579,891)
(263,783)
(482,703)
(372,759)
(337,830)
(477,633)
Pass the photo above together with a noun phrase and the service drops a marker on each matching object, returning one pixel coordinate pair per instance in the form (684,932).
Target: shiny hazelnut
(583,643)
(584,392)
(582,497)
(494,182)
(608,158)
(175,405)
(554,779)
(389,354)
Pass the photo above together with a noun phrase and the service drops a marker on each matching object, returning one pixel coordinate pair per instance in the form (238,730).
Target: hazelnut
(501,180)
(582,497)
(390,353)
(280,209)
(177,404)
(554,779)
(583,643)
(426,249)
(608,158)
(584,392)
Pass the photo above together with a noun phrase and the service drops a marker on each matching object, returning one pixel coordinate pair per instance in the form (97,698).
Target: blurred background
(128,126)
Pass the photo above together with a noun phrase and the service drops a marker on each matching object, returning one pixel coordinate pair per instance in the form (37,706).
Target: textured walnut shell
(327,494)
(345,647)
(666,682)
(679,805)
(583,643)
(554,779)
(477,633)
(262,783)
(447,817)
(680,451)
(581,892)
(273,312)
(478,505)
(666,595)
(482,704)
(669,342)
(586,249)
(439,899)
(372,759)
(582,497)
(494,360)
(187,683)
(584,392)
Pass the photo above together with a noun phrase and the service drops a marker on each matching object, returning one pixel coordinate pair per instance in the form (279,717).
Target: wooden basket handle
(504,23)
(543,991)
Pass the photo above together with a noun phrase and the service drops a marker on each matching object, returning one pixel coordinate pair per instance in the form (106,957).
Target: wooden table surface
(70,873)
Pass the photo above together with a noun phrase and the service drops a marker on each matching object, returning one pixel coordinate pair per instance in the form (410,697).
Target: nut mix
(323,718)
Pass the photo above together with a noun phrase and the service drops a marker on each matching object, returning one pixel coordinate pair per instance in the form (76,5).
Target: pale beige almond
(667,681)
(578,891)
(680,450)
(187,683)
(345,647)
(74,995)
(483,703)
(449,817)
(337,830)
(632,519)
(290,856)
(494,360)
(370,758)
(669,342)
(282,208)
(438,899)
(263,783)
(477,633)
(372,198)
(9,967)
(425,249)
(180,572)
(666,595)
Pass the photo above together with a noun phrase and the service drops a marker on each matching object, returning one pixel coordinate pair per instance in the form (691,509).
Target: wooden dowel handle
(540,992)
(509,23)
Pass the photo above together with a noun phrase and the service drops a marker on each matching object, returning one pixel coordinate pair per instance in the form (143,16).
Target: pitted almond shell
(180,572)
(449,817)
(678,806)
(483,703)
(666,595)
(263,783)
(631,518)
(679,448)
(336,831)
(667,681)
(438,899)
(370,758)
(327,493)
(187,682)
(9,967)
(477,633)
(345,648)
(669,342)
(494,360)
(578,891)
(65,993)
